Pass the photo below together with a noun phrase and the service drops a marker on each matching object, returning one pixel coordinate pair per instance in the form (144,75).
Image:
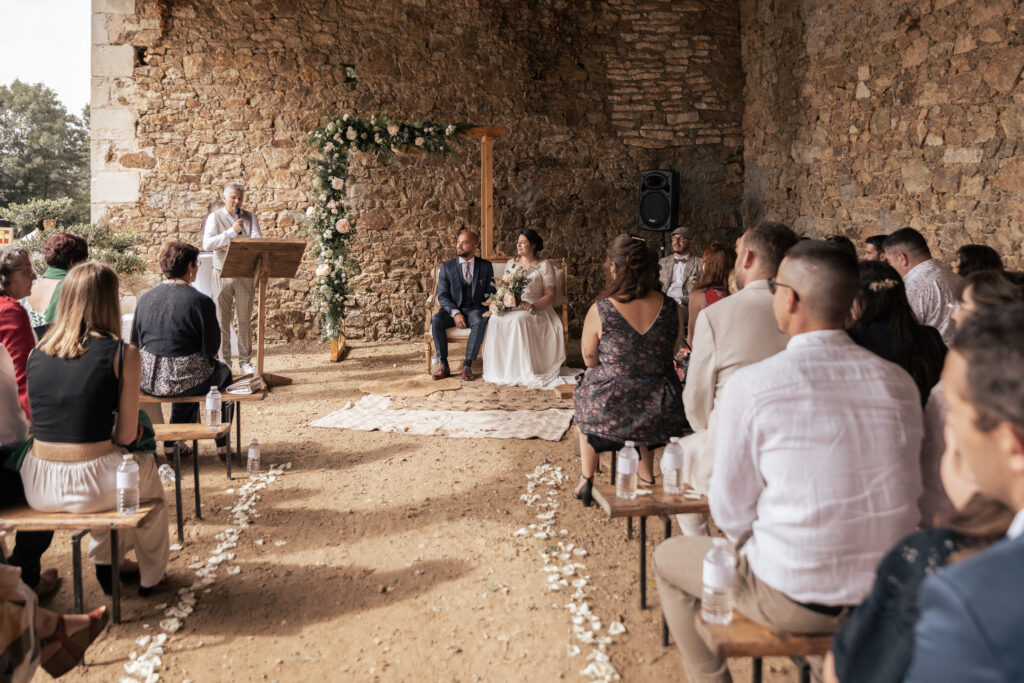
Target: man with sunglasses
(816,470)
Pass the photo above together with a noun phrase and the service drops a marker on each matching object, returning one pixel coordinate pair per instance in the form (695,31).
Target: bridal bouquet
(509,290)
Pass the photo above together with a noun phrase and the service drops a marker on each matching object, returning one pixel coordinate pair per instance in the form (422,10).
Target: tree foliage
(44,150)
(105,244)
(35,210)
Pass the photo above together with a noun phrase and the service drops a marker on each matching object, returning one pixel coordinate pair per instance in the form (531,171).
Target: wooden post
(262,268)
(486,136)
(487,196)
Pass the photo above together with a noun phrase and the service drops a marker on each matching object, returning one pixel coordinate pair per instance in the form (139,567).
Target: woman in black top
(79,377)
(177,332)
(884,323)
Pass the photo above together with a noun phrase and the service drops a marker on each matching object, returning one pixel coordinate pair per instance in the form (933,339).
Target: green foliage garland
(329,223)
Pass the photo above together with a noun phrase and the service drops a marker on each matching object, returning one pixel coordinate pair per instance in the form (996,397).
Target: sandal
(585,492)
(73,648)
(648,484)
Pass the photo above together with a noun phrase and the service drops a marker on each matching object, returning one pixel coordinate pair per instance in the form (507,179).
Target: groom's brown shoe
(467,373)
(442,372)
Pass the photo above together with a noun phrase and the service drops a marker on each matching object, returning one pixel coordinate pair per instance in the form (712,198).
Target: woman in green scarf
(62,252)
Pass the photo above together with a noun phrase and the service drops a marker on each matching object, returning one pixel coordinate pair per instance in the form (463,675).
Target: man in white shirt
(680,269)
(737,331)
(929,285)
(816,468)
(233,296)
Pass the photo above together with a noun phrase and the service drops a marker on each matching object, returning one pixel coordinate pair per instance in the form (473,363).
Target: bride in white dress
(521,347)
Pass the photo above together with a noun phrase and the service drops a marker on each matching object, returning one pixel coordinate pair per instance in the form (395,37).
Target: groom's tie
(465,271)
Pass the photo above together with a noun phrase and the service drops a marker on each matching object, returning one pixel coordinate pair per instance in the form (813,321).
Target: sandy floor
(384,556)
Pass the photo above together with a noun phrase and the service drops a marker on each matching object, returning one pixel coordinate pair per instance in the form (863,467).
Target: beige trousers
(678,566)
(233,297)
(90,486)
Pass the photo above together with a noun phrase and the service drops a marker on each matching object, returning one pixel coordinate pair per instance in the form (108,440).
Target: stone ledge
(113,6)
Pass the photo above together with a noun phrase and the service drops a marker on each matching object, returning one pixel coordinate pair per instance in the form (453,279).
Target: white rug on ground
(371,413)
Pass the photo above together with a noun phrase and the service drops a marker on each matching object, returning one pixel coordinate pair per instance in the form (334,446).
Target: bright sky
(47,41)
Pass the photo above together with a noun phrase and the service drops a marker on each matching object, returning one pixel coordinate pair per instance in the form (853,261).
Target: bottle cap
(630,444)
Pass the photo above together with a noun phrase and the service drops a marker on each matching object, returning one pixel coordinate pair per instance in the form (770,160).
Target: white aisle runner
(372,413)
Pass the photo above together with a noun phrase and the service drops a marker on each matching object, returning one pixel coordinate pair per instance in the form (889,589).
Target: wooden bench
(236,399)
(454,334)
(193,433)
(23,518)
(657,503)
(747,638)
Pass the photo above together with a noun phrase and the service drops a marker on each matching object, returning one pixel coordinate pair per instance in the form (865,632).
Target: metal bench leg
(755,676)
(643,562)
(195,476)
(629,528)
(227,456)
(805,672)
(615,457)
(177,491)
(115,570)
(664,624)
(76,569)
(238,431)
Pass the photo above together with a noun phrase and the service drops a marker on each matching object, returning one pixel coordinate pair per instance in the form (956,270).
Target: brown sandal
(72,649)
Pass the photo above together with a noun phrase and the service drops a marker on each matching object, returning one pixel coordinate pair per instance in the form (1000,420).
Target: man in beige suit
(735,332)
(680,269)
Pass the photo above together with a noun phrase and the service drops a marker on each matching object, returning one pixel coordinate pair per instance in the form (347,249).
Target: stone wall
(189,95)
(864,118)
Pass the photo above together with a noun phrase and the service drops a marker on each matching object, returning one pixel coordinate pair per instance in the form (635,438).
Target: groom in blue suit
(972,612)
(462,285)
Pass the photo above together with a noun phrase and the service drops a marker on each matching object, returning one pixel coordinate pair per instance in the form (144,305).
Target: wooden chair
(23,518)
(563,284)
(747,638)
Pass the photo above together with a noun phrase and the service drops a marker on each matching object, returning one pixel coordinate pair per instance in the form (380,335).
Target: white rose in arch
(343,226)
(351,133)
(310,210)
(419,142)
(393,130)
(322,270)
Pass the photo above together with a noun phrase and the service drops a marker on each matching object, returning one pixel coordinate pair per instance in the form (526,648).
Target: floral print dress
(634,394)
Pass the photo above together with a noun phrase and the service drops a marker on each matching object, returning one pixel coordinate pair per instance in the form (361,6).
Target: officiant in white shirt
(233,296)
(679,270)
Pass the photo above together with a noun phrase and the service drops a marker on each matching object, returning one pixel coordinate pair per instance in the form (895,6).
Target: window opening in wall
(140,56)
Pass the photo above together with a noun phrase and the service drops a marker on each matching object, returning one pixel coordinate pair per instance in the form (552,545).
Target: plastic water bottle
(166,473)
(252,463)
(628,464)
(213,407)
(672,466)
(719,572)
(128,485)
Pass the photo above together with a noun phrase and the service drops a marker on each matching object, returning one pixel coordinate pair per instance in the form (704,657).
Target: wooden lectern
(263,259)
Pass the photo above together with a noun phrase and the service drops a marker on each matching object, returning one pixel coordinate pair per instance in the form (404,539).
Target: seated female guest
(177,332)
(630,391)
(16,278)
(972,258)
(78,378)
(527,346)
(713,283)
(884,323)
(62,252)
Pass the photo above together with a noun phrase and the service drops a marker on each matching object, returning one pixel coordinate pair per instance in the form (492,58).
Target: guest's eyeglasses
(773,283)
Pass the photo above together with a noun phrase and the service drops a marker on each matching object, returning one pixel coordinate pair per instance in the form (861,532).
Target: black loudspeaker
(658,203)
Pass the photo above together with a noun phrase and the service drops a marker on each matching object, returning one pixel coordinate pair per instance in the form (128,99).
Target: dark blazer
(972,620)
(450,282)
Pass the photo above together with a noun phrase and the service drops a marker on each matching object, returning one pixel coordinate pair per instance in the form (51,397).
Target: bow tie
(680,260)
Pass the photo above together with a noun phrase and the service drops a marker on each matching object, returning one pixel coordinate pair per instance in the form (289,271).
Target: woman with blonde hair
(84,392)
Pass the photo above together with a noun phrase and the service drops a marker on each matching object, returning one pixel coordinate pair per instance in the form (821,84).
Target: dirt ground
(383,556)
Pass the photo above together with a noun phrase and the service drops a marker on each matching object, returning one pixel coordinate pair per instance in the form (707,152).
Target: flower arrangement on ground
(328,222)
(509,291)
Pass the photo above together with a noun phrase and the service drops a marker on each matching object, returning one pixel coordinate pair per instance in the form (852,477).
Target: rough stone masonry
(835,117)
